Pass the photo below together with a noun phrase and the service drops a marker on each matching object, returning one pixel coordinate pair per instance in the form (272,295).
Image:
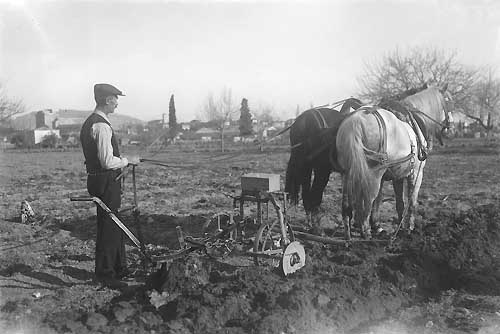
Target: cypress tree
(172,119)
(245,119)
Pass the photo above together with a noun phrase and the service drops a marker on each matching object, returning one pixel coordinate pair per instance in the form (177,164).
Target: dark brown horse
(311,138)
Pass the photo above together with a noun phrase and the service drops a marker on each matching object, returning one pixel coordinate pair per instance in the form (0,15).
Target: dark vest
(90,146)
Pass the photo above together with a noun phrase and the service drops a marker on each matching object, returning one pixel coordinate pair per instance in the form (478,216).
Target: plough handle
(113,217)
(81,199)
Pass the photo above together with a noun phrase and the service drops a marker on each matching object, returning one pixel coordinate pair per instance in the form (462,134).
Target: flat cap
(102,91)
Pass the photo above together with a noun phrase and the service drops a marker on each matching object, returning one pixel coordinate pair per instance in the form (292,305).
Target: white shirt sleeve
(101,132)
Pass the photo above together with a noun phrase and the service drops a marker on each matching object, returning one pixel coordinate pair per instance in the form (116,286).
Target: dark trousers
(110,258)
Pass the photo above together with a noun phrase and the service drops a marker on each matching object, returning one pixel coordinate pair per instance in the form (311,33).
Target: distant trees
(172,119)
(245,127)
(266,115)
(20,140)
(484,106)
(9,106)
(220,111)
(23,139)
(49,141)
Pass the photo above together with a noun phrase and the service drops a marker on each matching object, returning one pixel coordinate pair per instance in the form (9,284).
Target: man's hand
(133,160)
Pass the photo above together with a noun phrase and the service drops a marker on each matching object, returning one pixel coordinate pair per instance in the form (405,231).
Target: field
(444,278)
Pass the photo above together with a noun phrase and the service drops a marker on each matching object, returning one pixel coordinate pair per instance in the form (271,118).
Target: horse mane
(430,101)
(403,95)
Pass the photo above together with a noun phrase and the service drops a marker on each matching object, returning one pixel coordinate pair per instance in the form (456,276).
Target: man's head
(106,97)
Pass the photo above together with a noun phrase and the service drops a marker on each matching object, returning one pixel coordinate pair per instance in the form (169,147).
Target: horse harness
(381,157)
(404,110)
(320,119)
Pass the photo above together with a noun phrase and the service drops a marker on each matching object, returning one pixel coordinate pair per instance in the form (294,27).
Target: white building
(41,133)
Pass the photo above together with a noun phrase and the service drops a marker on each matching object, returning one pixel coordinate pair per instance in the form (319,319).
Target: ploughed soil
(443,278)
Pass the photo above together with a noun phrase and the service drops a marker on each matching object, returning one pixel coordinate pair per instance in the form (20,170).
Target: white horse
(374,145)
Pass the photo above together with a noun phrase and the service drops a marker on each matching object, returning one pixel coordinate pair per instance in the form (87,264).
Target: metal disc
(294,258)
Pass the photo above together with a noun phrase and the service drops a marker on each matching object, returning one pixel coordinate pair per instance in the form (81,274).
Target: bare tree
(9,106)
(220,111)
(398,72)
(211,108)
(484,107)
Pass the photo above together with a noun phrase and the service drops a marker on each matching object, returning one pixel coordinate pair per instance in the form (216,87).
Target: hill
(68,117)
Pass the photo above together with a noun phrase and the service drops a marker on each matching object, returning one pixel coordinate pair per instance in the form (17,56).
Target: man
(104,163)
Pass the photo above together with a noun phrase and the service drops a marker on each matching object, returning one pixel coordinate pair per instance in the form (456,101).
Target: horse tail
(294,175)
(359,177)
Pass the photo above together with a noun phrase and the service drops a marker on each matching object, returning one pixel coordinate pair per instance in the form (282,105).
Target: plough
(275,242)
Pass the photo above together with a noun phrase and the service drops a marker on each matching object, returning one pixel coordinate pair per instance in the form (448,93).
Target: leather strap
(421,148)
(317,116)
(383,131)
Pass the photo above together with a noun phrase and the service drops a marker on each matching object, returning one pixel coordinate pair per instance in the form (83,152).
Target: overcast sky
(278,54)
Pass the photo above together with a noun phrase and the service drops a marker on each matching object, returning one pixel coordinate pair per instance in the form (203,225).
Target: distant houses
(64,124)
(31,129)
(39,134)
(54,119)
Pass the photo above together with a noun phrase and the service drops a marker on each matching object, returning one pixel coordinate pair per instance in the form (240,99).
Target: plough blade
(115,219)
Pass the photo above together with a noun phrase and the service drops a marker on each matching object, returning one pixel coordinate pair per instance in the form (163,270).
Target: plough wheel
(269,239)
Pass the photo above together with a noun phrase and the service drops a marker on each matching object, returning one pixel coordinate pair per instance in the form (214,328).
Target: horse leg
(346,210)
(321,177)
(398,186)
(363,213)
(306,193)
(414,183)
(363,219)
(375,214)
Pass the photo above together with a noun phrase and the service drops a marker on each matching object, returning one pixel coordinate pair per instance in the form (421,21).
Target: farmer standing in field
(104,164)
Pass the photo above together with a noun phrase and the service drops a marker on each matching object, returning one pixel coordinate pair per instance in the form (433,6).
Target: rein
(164,163)
(444,125)
(325,125)
(331,105)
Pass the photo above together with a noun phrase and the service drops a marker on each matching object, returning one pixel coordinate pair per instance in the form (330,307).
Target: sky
(277,54)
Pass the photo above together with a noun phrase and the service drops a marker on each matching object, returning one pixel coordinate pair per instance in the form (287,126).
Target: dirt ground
(444,278)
